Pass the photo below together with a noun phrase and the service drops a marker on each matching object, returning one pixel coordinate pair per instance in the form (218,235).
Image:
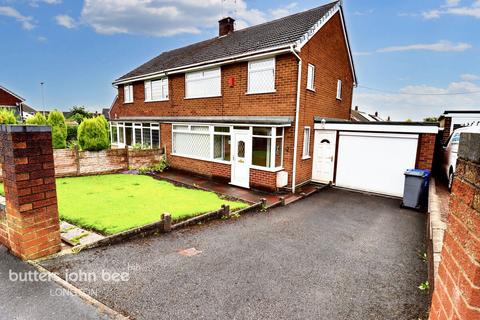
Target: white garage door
(375,162)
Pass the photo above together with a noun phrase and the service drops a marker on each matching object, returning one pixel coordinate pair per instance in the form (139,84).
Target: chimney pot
(356,108)
(376,113)
(226,26)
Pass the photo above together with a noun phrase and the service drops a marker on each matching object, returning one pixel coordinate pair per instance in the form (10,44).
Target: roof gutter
(297,112)
(211,63)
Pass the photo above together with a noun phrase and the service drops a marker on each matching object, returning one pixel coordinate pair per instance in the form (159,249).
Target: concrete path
(23,296)
(335,255)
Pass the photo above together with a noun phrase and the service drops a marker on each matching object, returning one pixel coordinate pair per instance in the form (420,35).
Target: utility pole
(43,97)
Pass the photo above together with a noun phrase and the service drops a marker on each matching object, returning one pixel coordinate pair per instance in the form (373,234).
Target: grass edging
(159,227)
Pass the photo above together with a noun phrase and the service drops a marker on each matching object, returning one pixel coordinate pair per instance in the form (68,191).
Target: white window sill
(311,89)
(199,158)
(191,98)
(162,100)
(339,99)
(263,92)
(306,157)
(128,102)
(266,169)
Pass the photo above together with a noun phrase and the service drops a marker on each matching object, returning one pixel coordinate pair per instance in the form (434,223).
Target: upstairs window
(311,77)
(261,76)
(128,93)
(156,90)
(339,89)
(205,83)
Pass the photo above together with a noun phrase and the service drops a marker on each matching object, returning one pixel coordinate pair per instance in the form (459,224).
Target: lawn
(113,203)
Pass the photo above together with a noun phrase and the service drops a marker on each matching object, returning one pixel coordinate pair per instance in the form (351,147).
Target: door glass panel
(241,149)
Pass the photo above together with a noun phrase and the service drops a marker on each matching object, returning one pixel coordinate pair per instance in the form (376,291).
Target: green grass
(2,191)
(113,203)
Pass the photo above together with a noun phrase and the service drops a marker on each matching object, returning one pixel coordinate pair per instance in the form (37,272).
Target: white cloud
(66,21)
(407,103)
(26,21)
(283,11)
(42,39)
(363,13)
(35,3)
(167,17)
(442,46)
(452,7)
(469,77)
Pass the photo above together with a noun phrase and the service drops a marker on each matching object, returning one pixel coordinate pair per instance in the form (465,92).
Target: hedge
(59,129)
(7,117)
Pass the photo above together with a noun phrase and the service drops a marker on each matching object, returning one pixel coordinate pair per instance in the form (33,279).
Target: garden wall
(72,162)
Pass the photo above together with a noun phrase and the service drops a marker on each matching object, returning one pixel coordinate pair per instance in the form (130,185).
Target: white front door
(242,157)
(324,156)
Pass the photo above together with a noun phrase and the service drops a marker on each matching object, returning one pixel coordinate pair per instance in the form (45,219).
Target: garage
(371,157)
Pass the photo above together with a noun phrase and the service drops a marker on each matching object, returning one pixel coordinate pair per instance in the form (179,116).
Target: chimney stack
(225,26)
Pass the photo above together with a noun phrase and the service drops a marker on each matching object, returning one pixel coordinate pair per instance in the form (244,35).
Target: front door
(241,151)
(324,156)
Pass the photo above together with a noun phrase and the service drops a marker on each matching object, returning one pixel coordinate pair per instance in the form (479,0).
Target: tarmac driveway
(335,255)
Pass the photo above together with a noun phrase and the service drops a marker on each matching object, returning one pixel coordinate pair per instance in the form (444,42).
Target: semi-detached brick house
(232,107)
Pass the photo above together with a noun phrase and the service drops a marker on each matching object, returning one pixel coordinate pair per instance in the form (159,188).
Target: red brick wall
(327,51)
(457,287)
(7,99)
(233,102)
(425,151)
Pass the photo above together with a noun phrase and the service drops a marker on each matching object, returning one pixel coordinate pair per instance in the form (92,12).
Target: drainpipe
(297,111)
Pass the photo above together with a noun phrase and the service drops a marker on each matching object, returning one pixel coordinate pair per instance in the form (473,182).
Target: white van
(450,150)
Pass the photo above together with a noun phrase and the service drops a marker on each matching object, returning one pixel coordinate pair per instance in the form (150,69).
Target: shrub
(72,132)
(37,119)
(93,134)
(77,117)
(59,129)
(7,117)
(158,167)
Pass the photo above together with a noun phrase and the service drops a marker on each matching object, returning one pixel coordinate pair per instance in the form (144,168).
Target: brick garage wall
(425,151)
(30,224)
(457,286)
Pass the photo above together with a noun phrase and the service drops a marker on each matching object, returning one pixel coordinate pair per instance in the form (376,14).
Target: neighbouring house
(454,119)
(250,107)
(16,103)
(361,116)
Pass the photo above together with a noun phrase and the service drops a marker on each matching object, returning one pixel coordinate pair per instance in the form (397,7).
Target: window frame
(306,143)
(250,63)
(164,93)
(187,74)
(339,89)
(128,87)
(311,77)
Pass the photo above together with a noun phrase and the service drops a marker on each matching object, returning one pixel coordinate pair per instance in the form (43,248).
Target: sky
(414,59)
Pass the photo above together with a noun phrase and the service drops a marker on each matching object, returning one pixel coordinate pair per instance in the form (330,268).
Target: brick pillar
(31,213)
(446,129)
(426,150)
(457,286)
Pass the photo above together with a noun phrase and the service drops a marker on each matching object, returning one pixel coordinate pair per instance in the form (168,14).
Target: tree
(7,117)
(37,119)
(59,129)
(93,134)
(430,119)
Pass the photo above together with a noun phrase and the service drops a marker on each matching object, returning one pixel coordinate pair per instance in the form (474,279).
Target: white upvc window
(311,77)
(339,89)
(202,84)
(128,93)
(306,143)
(140,134)
(261,76)
(156,90)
